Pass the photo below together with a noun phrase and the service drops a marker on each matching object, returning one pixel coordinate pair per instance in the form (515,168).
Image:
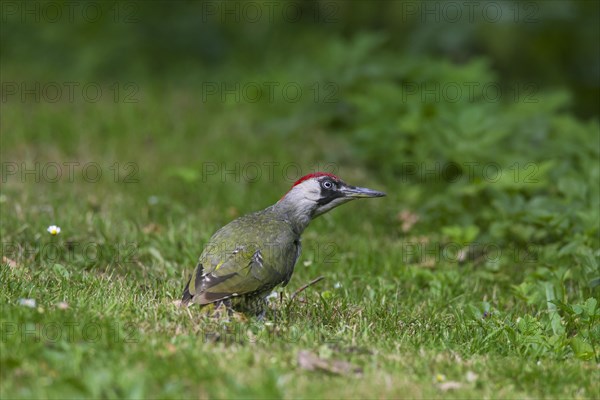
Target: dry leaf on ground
(311,362)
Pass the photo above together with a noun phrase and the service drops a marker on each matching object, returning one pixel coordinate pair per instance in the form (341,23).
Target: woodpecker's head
(315,194)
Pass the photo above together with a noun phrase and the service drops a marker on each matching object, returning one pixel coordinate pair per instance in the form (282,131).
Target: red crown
(315,175)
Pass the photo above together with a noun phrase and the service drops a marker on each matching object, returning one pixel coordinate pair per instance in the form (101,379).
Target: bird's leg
(256,305)
(261,315)
(222,305)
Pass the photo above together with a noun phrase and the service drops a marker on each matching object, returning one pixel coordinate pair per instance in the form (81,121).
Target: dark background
(546,43)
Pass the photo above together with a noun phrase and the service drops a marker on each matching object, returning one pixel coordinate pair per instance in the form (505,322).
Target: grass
(105,322)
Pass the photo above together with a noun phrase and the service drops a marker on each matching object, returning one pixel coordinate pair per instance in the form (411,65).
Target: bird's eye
(328,185)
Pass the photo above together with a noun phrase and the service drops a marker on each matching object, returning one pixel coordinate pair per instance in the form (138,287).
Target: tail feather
(187,296)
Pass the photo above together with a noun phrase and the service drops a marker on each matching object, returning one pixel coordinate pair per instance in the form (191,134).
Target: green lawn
(393,317)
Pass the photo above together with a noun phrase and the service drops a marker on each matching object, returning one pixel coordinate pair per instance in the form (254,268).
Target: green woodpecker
(247,258)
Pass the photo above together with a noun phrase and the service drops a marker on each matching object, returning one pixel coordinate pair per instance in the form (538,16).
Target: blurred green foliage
(546,44)
(520,172)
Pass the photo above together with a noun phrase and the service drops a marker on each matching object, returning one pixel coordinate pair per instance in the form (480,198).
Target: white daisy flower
(53,230)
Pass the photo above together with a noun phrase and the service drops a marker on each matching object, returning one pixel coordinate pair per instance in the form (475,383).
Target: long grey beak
(358,192)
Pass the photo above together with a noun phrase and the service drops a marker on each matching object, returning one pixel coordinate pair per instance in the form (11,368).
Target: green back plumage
(249,256)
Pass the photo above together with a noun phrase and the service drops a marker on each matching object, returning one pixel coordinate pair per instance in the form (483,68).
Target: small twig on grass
(304,287)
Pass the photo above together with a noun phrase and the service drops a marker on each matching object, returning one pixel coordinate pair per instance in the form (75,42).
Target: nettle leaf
(581,348)
(578,309)
(528,326)
(589,259)
(590,307)
(594,283)
(571,248)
